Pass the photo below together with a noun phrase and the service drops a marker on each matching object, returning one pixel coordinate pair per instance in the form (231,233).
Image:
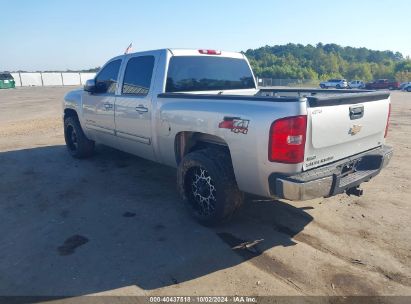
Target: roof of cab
(184,52)
(195,52)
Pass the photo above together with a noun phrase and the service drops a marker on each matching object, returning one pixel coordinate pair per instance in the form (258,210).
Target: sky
(81,34)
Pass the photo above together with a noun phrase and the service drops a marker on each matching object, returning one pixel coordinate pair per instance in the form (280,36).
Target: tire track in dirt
(262,261)
(317,244)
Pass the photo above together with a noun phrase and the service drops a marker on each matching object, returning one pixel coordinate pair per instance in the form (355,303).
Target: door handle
(141,109)
(356,112)
(108,106)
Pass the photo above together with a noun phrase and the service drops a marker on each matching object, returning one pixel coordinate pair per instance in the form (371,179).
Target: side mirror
(90,86)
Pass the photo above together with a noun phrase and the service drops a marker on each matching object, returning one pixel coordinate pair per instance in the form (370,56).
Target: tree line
(325,61)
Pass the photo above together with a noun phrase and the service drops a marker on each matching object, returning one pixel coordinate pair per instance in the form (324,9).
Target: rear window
(197,73)
(6,76)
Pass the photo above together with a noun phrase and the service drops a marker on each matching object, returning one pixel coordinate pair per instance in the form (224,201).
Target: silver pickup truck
(200,111)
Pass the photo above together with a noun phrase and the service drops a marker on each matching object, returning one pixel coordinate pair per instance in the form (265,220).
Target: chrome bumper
(331,179)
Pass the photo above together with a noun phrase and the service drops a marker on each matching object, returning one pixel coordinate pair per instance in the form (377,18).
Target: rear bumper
(332,179)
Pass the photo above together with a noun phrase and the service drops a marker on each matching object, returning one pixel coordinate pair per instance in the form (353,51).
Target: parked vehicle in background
(356,84)
(334,83)
(407,87)
(404,85)
(6,81)
(201,111)
(383,84)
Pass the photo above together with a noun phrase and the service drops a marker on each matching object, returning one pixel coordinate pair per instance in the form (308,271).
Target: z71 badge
(235,124)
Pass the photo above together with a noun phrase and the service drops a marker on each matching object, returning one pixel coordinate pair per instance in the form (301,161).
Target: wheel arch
(70,113)
(188,141)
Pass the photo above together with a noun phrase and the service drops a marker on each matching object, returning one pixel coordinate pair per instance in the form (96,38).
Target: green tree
(325,61)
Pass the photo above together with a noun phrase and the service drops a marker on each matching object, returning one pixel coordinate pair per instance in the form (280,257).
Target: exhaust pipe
(356,191)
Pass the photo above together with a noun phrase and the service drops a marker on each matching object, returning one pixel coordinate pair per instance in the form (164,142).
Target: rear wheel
(338,86)
(409,89)
(207,185)
(78,145)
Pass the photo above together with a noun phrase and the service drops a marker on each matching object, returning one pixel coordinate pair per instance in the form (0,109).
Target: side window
(106,80)
(137,78)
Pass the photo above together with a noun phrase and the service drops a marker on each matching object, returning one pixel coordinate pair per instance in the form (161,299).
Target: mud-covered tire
(210,169)
(78,145)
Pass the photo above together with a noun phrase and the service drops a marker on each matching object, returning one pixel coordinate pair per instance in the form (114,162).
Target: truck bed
(315,97)
(320,97)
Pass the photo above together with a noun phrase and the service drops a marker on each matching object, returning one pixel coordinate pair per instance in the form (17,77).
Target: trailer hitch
(356,191)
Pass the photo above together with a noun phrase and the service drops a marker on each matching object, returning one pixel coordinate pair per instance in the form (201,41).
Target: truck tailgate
(342,126)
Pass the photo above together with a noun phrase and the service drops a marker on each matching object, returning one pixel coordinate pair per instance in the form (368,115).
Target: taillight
(388,121)
(287,140)
(209,52)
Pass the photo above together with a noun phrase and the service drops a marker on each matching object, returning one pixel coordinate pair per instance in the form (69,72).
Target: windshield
(198,73)
(6,76)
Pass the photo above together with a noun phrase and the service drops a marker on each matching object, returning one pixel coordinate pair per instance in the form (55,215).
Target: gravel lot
(114,224)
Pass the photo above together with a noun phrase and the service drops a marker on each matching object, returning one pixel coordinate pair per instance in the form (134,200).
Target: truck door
(133,106)
(98,107)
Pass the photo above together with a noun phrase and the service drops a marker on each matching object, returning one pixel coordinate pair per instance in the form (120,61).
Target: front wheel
(78,145)
(207,185)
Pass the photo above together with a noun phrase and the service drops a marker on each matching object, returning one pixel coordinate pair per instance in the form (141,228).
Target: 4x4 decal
(235,124)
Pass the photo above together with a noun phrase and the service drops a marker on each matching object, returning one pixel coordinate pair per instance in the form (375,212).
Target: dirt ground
(114,224)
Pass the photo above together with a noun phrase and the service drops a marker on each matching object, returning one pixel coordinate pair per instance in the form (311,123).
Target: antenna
(129,49)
